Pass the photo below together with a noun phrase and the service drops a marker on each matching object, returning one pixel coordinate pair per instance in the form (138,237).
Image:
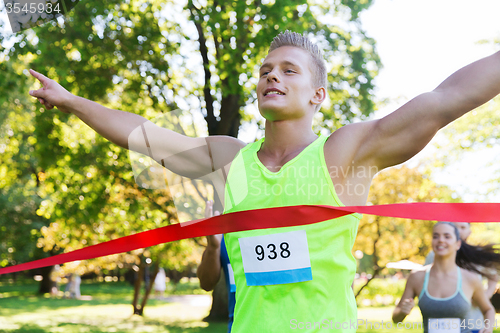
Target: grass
(106,308)
(109,310)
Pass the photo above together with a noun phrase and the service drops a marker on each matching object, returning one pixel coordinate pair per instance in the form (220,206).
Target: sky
(421,42)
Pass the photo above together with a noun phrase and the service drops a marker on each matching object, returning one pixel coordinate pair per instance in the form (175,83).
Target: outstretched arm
(403,133)
(190,157)
(114,125)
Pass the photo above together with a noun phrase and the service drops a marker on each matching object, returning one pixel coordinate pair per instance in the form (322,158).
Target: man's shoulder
(357,128)
(348,139)
(223,149)
(225,140)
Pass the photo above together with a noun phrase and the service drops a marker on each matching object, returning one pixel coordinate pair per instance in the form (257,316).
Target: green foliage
(20,173)
(390,239)
(380,292)
(477,131)
(72,187)
(234,38)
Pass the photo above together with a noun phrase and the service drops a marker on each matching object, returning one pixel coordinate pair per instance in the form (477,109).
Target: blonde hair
(289,38)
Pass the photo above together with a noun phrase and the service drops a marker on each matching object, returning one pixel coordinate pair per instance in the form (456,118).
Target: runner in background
(475,314)
(160,284)
(214,258)
(446,288)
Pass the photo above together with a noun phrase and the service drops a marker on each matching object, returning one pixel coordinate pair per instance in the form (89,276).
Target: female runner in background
(445,288)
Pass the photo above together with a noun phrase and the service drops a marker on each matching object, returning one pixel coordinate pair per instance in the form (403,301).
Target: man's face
(285,90)
(463,229)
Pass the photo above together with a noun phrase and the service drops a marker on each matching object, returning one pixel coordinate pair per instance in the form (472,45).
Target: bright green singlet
(294,278)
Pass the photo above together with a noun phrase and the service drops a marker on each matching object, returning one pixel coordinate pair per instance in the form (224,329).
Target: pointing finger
(42,78)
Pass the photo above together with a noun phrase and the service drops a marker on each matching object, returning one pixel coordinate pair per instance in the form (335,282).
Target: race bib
(444,325)
(276,259)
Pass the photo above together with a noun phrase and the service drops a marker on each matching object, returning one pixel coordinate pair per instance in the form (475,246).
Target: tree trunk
(376,267)
(219,310)
(139,309)
(148,292)
(230,118)
(228,124)
(46,284)
(137,287)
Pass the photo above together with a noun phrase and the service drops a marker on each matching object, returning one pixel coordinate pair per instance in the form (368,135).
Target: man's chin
(272,112)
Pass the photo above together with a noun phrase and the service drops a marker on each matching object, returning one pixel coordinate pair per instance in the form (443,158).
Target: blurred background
(195,64)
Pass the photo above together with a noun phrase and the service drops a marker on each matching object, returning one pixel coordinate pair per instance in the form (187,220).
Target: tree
(475,132)
(234,36)
(152,57)
(20,174)
(389,239)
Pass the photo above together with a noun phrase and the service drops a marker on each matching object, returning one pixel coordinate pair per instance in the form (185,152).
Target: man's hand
(406,305)
(51,94)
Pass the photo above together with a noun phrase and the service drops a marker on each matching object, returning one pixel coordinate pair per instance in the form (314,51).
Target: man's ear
(319,96)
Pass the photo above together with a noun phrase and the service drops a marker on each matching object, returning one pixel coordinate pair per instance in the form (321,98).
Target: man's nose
(273,76)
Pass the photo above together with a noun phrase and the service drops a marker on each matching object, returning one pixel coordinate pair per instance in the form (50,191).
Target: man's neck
(286,137)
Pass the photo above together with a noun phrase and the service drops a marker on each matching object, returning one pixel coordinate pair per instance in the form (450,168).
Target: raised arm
(190,157)
(403,133)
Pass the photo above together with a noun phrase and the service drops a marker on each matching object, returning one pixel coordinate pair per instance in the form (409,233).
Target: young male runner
(299,277)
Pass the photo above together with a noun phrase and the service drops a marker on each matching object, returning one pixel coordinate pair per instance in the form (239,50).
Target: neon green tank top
(295,277)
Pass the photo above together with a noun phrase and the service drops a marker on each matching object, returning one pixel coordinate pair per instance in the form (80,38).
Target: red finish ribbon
(270,218)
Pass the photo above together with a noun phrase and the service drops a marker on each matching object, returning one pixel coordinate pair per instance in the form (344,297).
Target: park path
(192,300)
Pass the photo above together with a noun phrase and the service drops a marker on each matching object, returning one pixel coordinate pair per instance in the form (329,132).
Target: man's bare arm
(403,133)
(190,157)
